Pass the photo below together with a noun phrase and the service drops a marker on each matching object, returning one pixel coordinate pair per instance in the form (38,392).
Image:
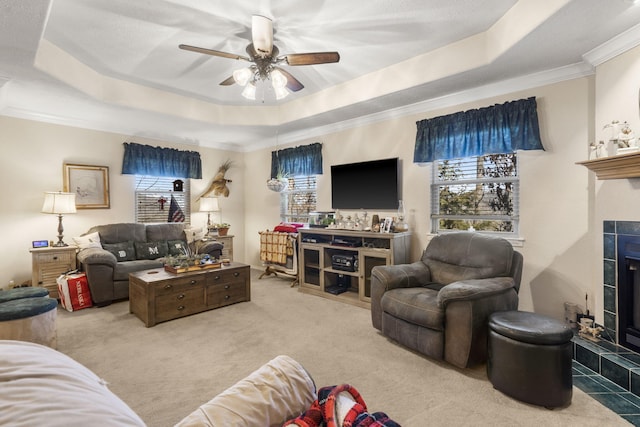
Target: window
(298,199)
(480,192)
(153,198)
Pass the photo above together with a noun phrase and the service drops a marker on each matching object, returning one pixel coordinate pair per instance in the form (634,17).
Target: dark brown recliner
(439,306)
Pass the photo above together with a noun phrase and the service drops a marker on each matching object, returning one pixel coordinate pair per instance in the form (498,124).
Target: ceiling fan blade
(293,84)
(213,52)
(228,82)
(312,58)
(262,35)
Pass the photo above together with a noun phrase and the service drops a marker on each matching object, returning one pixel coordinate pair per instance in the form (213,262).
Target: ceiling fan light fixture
(249,91)
(278,80)
(242,76)
(281,92)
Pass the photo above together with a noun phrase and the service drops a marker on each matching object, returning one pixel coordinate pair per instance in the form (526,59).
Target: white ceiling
(115,64)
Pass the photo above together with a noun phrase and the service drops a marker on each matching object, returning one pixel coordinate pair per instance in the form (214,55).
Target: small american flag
(175,213)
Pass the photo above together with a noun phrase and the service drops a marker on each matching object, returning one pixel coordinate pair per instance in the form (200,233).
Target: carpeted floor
(167,371)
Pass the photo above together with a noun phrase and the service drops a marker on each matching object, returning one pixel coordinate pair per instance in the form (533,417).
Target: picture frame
(385,227)
(89,183)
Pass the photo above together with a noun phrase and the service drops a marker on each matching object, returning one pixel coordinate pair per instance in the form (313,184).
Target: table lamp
(208,205)
(59,203)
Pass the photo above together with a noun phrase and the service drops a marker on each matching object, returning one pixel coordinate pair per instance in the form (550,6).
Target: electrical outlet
(12,284)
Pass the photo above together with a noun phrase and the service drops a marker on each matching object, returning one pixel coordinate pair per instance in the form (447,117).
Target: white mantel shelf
(615,167)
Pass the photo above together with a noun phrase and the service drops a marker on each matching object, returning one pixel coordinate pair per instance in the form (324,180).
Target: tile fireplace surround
(607,358)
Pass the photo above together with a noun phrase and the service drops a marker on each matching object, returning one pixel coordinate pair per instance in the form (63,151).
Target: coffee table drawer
(227,293)
(239,274)
(182,303)
(182,284)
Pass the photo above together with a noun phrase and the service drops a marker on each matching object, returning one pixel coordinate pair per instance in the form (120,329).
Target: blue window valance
(158,161)
(499,129)
(297,161)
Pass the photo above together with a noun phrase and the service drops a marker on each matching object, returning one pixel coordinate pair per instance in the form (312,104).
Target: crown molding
(614,47)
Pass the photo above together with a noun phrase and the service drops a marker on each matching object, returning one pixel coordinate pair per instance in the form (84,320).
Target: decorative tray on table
(188,262)
(200,267)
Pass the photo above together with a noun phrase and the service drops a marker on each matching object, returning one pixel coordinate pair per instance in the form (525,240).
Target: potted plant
(279,183)
(222,228)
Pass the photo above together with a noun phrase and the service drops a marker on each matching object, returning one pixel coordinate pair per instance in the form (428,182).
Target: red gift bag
(73,291)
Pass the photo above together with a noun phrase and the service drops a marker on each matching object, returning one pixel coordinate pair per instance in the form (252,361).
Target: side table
(49,263)
(227,241)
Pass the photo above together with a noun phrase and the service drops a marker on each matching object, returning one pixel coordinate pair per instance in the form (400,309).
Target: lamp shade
(59,203)
(209,204)
(242,76)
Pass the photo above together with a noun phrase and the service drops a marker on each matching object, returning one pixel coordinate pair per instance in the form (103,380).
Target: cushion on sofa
(151,250)
(122,251)
(177,247)
(122,232)
(91,240)
(40,386)
(122,269)
(167,231)
(278,391)
(195,233)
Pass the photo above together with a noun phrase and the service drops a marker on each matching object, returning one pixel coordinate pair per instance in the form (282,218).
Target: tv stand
(331,269)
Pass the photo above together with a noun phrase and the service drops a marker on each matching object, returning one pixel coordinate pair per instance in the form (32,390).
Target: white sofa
(41,386)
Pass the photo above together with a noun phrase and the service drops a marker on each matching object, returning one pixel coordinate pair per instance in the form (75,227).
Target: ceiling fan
(265,59)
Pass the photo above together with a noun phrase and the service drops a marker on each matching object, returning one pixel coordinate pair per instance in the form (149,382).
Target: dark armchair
(439,306)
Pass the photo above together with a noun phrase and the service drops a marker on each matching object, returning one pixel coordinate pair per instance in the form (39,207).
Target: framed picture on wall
(90,183)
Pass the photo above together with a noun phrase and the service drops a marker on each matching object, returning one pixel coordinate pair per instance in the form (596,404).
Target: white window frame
(299,186)
(437,183)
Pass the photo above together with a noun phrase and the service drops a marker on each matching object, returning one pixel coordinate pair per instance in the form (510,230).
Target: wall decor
(89,183)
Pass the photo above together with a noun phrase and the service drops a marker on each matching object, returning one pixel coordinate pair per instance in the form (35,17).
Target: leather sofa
(108,253)
(439,306)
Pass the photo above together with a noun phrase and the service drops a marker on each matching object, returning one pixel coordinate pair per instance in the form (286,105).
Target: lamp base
(59,244)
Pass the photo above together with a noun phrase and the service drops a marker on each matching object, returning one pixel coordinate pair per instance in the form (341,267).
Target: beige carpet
(167,371)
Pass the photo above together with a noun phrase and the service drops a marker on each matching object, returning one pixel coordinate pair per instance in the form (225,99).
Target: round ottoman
(26,292)
(529,358)
(29,319)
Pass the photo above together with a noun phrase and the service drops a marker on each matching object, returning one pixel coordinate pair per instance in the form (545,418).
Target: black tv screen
(366,185)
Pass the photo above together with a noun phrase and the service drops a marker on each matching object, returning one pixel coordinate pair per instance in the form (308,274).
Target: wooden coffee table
(157,295)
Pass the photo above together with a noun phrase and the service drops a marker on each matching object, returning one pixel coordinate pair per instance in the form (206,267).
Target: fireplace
(628,287)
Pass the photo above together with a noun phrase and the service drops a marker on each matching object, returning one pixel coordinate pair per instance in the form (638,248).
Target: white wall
(617,84)
(32,157)
(553,205)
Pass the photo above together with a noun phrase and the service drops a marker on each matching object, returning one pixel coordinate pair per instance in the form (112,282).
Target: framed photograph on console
(90,183)
(385,227)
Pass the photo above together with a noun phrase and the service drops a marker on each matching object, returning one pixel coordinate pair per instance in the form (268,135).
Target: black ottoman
(530,358)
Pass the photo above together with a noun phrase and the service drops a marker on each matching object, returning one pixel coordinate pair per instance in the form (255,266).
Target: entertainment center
(336,264)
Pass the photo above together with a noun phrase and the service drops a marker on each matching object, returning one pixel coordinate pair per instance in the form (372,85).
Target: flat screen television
(366,185)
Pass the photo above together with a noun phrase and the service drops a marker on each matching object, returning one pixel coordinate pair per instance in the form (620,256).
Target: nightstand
(227,241)
(49,263)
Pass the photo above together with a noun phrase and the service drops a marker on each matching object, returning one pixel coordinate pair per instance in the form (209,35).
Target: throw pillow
(123,251)
(151,250)
(177,247)
(193,234)
(91,240)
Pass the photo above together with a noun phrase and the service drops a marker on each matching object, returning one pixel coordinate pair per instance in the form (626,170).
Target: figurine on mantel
(622,138)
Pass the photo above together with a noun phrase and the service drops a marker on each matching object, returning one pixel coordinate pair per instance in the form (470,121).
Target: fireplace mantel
(615,167)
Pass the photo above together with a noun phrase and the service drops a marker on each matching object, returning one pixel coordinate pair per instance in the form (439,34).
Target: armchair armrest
(96,256)
(385,278)
(475,289)
(467,305)
(401,276)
